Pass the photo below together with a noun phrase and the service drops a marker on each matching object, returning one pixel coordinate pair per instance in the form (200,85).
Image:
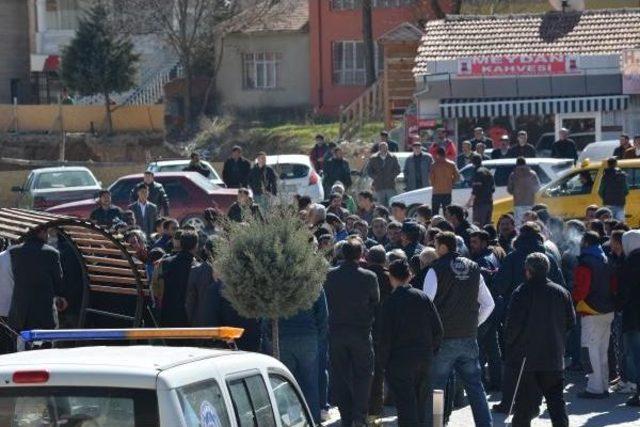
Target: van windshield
(77,406)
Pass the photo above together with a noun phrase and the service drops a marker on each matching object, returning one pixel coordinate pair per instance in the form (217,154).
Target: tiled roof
(286,15)
(593,32)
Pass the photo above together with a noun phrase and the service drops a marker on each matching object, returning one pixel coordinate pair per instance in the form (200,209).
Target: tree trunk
(275,339)
(367,36)
(188,90)
(107,105)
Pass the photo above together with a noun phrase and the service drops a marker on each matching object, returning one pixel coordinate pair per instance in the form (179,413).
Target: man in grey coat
(383,168)
(416,168)
(523,185)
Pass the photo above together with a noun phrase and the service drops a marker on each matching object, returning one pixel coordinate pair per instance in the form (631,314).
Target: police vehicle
(144,385)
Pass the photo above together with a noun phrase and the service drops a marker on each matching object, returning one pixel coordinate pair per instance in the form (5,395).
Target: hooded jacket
(511,272)
(523,185)
(628,297)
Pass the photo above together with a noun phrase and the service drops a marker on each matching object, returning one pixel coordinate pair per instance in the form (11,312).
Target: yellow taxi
(569,195)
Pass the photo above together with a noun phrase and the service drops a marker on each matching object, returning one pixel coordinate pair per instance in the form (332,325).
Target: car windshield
(203,182)
(291,170)
(179,167)
(77,406)
(64,179)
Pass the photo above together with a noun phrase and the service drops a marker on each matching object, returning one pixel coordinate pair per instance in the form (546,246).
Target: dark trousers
(439,201)
(351,354)
(376,397)
(482,213)
(551,384)
(490,352)
(409,382)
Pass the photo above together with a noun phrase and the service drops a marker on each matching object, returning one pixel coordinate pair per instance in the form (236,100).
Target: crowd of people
(438,299)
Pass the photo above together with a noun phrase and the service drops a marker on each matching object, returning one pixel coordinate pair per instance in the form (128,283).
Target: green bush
(270,268)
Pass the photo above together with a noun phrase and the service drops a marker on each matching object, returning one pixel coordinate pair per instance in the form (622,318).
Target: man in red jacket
(441,140)
(593,288)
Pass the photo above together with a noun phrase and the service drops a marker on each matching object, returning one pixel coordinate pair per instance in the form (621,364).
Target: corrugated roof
(594,32)
(286,15)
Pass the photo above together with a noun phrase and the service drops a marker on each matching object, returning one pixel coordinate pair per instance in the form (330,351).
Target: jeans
(462,355)
(351,355)
(300,355)
(440,201)
(490,351)
(632,355)
(596,331)
(618,212)
(528,400)
(323,374)
(383,196)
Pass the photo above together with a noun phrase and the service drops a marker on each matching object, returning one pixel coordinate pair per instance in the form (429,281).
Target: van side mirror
(16,189)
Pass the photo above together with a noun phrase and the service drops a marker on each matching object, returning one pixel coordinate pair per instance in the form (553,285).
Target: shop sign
(517,65)
(630,68)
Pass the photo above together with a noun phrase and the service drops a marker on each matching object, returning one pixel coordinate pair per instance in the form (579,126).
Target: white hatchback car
(296,176)
(597,151)
(547,170)
(144,386)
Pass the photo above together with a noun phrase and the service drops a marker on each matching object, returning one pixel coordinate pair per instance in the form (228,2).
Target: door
(569,196)
(584,128)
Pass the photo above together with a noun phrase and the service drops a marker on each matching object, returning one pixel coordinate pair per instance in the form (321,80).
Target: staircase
(156,67)
(368,107)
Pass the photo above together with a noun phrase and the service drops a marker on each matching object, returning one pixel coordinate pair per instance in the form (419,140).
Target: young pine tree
(99,61)
(270,269)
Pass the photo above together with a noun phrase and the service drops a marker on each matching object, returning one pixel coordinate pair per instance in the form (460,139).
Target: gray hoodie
(630,241)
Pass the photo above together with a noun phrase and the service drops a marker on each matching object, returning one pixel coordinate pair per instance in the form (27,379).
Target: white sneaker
(325,415)
(624,387)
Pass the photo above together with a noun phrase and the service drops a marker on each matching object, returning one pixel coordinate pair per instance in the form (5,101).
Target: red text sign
(517,65)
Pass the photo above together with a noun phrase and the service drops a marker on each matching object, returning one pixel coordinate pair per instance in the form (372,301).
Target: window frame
(252,61)
(298,393)
(242,378)
(180,394)
(358,74)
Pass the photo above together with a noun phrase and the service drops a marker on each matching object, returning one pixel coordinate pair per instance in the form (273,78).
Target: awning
(45,63)
(459,108)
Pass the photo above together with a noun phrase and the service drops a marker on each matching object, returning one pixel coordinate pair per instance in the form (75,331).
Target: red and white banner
(517,65)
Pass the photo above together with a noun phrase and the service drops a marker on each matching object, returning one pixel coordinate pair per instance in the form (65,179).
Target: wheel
(194,221)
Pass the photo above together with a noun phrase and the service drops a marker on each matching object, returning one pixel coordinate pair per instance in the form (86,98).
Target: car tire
(195,221)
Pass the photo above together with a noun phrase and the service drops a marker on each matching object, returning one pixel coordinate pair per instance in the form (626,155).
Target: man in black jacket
(195,165)
(614,189)
(410,334)
(522,147)
(336,169)
(106,214)
(482,188)
(243,208)
(536,302)
(175,272)
(157,195)
(564,148)
(628,300)
(36,289)
(263,181)
(235,172)
(352,296)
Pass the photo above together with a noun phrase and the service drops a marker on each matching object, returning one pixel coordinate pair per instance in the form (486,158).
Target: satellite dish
(567,5)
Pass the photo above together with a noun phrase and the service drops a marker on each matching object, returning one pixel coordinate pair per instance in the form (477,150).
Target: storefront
(538,72)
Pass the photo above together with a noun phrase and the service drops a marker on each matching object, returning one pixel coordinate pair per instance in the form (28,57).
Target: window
(251,402)
(290,407)
(58,406)
(175,190)
(261,70)
(291,170)
(356,4)
(121,191)
(62,14)
(64,179)
(203,405)
(575,184)
(633,178)
(348,62)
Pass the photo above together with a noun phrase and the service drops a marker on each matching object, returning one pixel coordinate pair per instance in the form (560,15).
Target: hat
(236,148)
(333,218)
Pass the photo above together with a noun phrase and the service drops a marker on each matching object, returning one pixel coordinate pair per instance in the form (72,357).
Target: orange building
(337,51)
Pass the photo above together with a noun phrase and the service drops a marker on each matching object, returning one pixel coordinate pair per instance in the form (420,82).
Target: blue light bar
(221,333)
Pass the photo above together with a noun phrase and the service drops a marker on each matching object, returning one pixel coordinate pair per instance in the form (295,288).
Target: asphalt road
(582,413)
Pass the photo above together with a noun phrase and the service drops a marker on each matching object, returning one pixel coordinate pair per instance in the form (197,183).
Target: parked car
(296,176)
(189,195)
(546,140)
(48,187)
(144,386)
(567,197)
(547,169)
(598,151)
(179,165)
